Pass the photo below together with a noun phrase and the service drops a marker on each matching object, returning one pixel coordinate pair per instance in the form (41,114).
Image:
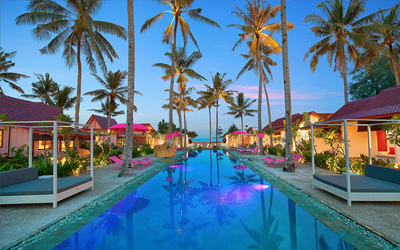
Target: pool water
(207,201)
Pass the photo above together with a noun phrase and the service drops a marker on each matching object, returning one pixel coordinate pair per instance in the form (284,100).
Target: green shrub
(15,160)
(101,160)
(69,167)
(278,151)
(378,161)
(146,149)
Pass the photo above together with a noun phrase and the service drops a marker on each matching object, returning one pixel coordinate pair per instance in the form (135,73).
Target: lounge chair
(148,162)
(119,162)
(270,161)
(252,151)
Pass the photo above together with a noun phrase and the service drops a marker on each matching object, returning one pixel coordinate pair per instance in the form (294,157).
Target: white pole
(369,145)
(312,150)
(346,141)
(91,155)
(55,163)
(30,146)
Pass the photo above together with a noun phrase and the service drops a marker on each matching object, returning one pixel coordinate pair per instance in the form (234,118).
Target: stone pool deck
(18,222)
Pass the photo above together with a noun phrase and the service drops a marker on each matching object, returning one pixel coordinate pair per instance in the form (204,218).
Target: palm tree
(104,109)
(256,21)
(9,77)
(73,27)
(219,90)
(178,8)
(289,161)
(205,102)
(183,64)
(63,98)
(113,89)
(340,33)
(127,167)
(43,89)
(187,102)
(252,64)
(388,36)
(241,107)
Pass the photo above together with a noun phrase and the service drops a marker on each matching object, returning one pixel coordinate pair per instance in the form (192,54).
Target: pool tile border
(57,231)
(360,237)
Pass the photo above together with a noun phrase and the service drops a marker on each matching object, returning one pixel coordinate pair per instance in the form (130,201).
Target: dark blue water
(208,202)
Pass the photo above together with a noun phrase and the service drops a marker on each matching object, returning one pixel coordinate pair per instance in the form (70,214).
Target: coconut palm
(127,167)
(113,88)
(388,37)
(219,90)
(43,89)
(183,64)
(256,21)
(241,107)
(104,109)
(341,36)
(252,64)
(205,102)
(9,77)
(64,99)
(289,159)
(73,28)
(187,101)
(178,7)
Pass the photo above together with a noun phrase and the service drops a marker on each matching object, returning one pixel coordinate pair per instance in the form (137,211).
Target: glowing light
(175,166)
(260,187)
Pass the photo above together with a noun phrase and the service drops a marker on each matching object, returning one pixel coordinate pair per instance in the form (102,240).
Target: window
(44,145)
(1,137)
(71,145)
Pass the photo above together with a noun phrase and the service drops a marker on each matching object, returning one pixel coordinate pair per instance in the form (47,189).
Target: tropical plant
(205,102)
(127,167)
(104,109)
(15,159)
(75,31)
(256,21)
(241,107)
(219,90)
(192,134)
(65,132)
(183,64)
(393,130)
(9,77)
(387,36)
(43,89)
(178,7)
(342,34)
(163,127)
(63,98)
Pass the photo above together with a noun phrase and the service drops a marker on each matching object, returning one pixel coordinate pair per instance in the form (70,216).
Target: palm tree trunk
(289,164)
(269,114)
(241,118)
(394,62)
(216,128)
(127,168)
(78,91)
(180,116)
(260,140)
(209,118)
(185,129)
(171,86)
(109,119)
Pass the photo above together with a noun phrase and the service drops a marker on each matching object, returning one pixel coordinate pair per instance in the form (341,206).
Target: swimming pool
(208,201)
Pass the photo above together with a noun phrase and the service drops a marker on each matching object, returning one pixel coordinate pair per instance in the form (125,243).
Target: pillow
(391,150)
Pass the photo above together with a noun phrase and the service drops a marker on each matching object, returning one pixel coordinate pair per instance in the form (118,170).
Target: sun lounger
(232,148)
(139,164)
(378,184)
(272,162)
(252,151)
(144,161)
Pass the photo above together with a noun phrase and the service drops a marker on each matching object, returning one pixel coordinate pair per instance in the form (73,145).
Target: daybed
(378,184)
(23,186)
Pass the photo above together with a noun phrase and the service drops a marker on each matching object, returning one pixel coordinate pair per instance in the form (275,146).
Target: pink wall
(19,137)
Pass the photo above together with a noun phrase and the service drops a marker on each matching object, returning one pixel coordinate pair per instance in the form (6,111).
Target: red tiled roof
(386,103)
(277,125)
(23,110)
(103,121)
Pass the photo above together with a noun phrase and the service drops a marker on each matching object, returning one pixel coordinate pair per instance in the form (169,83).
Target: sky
(321,91)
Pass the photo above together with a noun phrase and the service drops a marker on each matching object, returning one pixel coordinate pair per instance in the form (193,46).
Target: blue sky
(321,91)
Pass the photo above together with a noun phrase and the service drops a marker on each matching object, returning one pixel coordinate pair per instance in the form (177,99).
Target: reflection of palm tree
(242,182)
(292,224)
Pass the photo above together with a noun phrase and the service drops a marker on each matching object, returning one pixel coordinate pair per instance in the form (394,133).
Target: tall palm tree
(388,37)
(64,99)
(9,77)
(341,36)
(105,111)
(205,102)
(219,90)
(241,107)
(127,167)
(187,101)
(113,89)
(256,21)
(74,28)
(252,64)
(43,89)
(178,7)
(183,65)
(289,159)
